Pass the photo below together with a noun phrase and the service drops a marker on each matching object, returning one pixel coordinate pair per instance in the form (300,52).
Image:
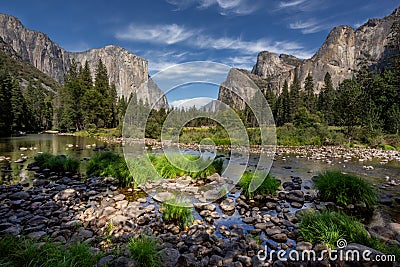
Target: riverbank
(229,232)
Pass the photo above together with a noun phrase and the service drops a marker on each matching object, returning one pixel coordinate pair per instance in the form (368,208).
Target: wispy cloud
(197,102)
(196,38)
(291,3)
(161,33)
(307,27)
(225,7)
(250,47)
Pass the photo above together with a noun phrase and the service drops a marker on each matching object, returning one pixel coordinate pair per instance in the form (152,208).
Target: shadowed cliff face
(344,51)
(126,70)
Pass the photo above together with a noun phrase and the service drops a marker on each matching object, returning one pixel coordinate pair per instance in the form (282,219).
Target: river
(14,148)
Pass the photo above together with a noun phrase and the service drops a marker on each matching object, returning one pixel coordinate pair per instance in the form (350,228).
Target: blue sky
(167,32)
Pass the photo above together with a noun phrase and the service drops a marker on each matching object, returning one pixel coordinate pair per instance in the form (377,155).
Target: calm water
(28,146)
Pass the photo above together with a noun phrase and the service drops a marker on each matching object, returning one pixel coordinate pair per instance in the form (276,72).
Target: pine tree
(18,107)
(295,97)
(326,100)
(5,107)
(283,106)
(71,97)
(347,105)
(107,101)
(309,93)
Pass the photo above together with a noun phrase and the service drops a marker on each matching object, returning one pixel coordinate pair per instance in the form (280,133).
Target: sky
(168,32)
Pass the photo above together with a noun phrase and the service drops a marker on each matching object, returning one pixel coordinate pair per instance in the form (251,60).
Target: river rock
(20,195)
(301,246)
(245,260)
(279,237)
(65,194)
(227,205)
(296,205)
(169,257)
(37,220)
(37,235)
(216,260)
(273,231)
(105,261)
(124,262)
(11,229)
(295,196)
(385,199)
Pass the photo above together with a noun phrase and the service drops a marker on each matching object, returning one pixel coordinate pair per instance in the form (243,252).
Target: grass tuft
(178,210)
(268,186)
(21,251)
(144,251)
(109,164)
(344,189)
(58,163)
(328,227)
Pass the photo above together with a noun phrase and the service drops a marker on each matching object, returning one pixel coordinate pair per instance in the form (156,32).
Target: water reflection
(15,148)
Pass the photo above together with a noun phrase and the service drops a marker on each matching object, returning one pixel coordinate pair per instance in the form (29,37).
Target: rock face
(126,70)
(343,52)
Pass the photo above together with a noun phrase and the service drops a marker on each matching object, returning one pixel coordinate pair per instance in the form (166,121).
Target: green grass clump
(109,164)
(178,210)
(268,186)
(20,251)
(144,251)
(58,163)
(328,227)
(194,166)
(345,189)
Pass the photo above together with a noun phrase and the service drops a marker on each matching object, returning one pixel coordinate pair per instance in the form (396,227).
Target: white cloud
(164,34)
(197,102)
(225,7)
(291,3)
(306,27)
(250,47)
(195,38)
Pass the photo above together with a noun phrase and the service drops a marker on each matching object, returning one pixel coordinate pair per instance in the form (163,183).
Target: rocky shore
(230,232)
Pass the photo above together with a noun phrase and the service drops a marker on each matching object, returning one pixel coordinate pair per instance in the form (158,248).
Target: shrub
(178,210)
(110,164)
(345,189)
(268,186)
(20,251)
(144,251)
(58,163)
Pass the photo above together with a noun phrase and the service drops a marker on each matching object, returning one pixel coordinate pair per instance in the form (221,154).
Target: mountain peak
(126,70)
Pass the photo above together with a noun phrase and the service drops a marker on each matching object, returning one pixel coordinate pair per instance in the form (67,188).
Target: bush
(20,251)
(109,164)
(144,251)
(178,211)
(268,186)
(344,189)
(59,163)
(328,227)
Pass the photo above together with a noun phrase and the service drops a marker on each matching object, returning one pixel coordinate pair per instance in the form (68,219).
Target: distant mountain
(24,71)
(125,69)
(344,51)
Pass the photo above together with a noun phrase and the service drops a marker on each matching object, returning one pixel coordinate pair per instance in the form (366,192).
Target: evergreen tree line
(88,104)
(23,110)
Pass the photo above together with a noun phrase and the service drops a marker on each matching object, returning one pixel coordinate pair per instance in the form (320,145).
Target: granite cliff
(126,70)
(344,51)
